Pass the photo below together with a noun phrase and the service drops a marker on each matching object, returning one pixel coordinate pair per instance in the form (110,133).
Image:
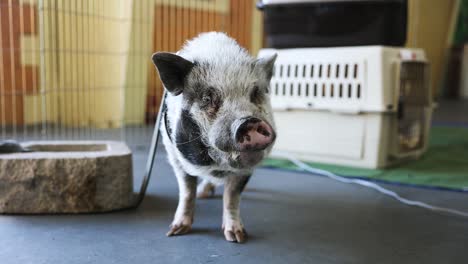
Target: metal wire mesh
(81,69)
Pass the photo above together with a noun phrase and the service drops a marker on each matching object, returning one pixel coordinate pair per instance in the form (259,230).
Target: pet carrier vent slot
(324,84)
(325,70)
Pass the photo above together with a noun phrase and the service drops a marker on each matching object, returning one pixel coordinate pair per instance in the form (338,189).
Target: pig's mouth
(250,159)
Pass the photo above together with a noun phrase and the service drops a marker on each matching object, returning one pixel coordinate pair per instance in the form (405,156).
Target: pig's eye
(256,96)
(206,99)
(210,103)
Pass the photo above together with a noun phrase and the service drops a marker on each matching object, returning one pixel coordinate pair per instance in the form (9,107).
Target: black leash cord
(152,152)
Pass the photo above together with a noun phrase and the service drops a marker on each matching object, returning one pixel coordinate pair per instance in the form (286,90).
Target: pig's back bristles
(215,48)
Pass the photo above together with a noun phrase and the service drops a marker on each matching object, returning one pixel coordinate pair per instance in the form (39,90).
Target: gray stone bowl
(67,177)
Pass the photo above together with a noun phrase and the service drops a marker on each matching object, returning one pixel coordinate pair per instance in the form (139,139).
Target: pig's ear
(173,70)
(266,64)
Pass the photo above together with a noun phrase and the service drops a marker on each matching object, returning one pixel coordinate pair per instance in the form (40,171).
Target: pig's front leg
(183,218)
(232,223)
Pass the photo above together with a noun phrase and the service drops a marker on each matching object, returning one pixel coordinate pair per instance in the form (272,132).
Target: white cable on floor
(367,184)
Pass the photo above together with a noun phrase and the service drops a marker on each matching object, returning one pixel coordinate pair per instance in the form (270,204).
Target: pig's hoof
(235,232)
(179,230)
(205,191)
(180,227)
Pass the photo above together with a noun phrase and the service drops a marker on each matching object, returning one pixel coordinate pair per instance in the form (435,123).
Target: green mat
(445,164)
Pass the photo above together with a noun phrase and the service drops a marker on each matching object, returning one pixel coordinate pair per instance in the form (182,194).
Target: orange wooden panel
(29,19)
(240,21)
(11,109)
(18,80)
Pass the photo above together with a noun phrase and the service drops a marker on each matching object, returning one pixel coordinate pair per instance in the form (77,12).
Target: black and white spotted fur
(213,84)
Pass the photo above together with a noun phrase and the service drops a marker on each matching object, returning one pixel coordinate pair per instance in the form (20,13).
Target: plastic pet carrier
(333,23)
(358,106)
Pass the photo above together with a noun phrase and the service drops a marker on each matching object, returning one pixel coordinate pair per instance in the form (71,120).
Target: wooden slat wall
(173,25)
(16,80)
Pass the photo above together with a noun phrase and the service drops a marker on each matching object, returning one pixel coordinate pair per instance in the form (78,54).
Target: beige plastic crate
(357,106)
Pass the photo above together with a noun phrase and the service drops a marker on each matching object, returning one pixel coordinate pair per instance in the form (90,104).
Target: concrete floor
(290,217)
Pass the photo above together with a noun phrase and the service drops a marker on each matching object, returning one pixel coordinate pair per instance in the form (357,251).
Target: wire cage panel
(81,69)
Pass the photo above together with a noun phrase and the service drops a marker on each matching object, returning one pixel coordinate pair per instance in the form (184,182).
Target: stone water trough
(66,177)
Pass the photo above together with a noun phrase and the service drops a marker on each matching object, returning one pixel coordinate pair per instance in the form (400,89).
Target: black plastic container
(334,23)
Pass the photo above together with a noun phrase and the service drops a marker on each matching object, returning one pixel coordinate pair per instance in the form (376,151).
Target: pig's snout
(254,135)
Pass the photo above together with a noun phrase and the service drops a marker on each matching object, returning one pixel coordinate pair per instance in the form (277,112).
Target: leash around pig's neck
(167,125)
(152,150)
